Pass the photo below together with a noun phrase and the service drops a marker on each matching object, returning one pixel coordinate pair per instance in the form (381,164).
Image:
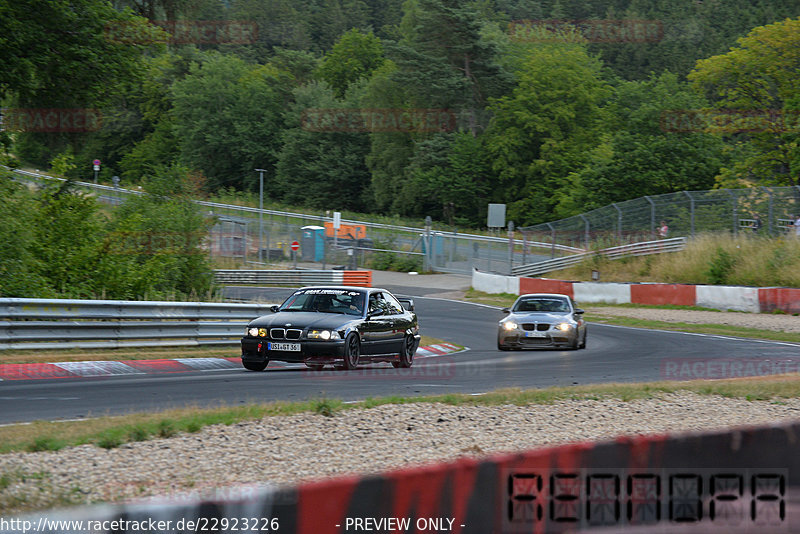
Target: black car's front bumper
(255,349)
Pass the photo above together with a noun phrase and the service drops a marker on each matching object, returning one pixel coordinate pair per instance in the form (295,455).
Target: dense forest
(415,108)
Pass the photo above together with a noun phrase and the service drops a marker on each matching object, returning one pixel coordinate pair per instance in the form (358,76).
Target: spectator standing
(663,231)
(756,223)
(797,226)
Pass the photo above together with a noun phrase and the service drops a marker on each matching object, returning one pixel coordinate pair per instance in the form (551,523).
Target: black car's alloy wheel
(352,352)
(406,354)
(255,366)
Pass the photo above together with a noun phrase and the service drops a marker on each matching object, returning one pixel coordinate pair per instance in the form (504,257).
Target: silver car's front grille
(541,327)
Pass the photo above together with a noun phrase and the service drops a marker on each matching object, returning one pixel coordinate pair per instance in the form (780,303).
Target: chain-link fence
(243,236)
(765,210)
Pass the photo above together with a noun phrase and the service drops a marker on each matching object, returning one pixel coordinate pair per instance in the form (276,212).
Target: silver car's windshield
(542,305)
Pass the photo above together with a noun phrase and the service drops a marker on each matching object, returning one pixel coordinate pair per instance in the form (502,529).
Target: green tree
(19,268)
(546,128)
(154,246)
(639,156)
(322,169)
(759,77)
(228,115)
(354,56)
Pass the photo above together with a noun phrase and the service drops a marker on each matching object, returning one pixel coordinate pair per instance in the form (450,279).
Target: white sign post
(337,223)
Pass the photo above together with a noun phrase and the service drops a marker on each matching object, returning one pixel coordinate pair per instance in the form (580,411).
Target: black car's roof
(346,288)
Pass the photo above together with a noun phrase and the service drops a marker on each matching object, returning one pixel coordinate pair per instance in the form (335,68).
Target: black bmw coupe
(338,325)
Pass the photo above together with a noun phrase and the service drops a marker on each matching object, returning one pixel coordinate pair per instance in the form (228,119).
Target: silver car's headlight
(509,325)
(564,326)
(252,332)
(323,334)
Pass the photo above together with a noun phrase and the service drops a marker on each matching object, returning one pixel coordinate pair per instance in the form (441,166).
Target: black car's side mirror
(579,311)
(407,303)
(506,311)
(274,308)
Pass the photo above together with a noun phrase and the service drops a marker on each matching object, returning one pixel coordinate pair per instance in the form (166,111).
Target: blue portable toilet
(313,243)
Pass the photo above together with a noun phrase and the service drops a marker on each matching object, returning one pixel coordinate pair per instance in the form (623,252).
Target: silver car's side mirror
(506,311)
(579,311)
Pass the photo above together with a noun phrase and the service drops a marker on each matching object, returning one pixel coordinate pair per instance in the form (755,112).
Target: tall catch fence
(252,238)
(685,213)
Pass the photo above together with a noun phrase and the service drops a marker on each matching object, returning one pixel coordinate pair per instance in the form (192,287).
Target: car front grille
(284,333)
(541,327)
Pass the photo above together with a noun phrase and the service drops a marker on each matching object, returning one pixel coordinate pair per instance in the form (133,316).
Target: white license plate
(535,334)
(290,347)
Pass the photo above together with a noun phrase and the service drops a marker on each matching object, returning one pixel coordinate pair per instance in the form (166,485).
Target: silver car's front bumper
(521,339)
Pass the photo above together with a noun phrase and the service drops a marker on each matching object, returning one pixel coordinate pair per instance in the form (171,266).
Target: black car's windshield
(542,305)
(325,301)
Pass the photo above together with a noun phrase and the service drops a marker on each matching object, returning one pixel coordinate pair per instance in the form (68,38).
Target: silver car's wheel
(352,352)
(583,343)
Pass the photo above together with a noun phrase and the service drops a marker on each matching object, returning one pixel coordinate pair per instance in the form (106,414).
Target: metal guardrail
(292,277)
(68,324)
(635,249)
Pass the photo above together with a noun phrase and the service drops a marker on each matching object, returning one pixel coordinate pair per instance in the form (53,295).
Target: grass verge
(110,432)
(714,329)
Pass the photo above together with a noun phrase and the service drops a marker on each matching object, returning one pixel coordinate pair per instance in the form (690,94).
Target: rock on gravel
(288,449)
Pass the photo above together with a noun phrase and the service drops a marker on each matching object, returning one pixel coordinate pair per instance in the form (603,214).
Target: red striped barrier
(544,285)
(785,299)
(357,278)
(663,294)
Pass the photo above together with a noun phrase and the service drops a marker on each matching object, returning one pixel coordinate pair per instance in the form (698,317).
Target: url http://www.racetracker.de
(89,526)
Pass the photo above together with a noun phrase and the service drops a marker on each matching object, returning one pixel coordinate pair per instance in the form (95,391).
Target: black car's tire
(315,366)
(255,366)
(406,354)
(352,352)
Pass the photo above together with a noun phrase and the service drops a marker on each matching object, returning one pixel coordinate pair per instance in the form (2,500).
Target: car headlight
(262,332)
(509,325)
(252,332)
(323,334)
(564,326)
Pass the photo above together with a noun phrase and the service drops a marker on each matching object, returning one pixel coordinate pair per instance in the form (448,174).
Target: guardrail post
(586,231)
(691,211)
(652,217)
(735,212)
(769,208)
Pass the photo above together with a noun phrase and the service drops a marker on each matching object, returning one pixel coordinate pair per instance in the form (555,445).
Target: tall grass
(715,259)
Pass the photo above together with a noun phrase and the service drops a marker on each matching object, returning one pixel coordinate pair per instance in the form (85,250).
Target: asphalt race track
(614,354)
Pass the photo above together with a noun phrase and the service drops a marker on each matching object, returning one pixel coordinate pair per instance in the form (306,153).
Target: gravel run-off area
(288,449)
(762,321)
